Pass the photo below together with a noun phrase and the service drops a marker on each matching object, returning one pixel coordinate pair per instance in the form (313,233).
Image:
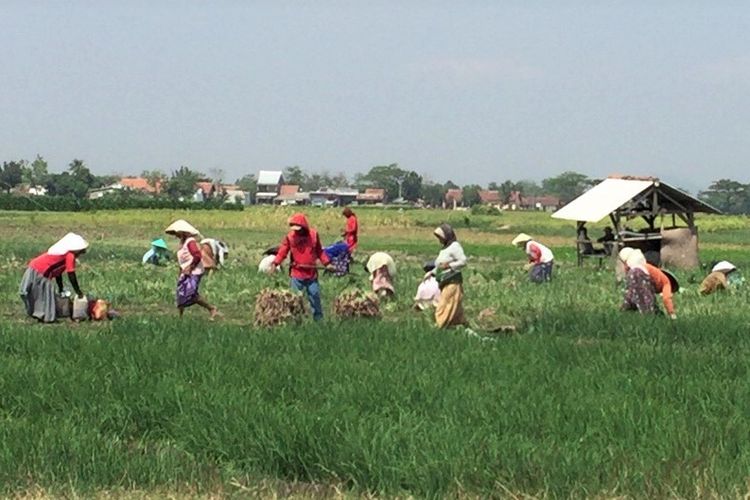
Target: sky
(472,91)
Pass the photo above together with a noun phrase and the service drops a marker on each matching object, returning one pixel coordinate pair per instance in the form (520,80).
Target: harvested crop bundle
(276,307)
(491,321)
(356,304)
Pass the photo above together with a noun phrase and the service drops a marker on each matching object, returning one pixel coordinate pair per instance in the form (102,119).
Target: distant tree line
(727,195)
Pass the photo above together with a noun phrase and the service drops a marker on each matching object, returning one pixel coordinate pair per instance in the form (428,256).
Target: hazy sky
(472,91)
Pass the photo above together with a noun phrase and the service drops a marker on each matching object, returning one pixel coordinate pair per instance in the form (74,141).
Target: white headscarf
(636,260)
(380,259)
(71,242)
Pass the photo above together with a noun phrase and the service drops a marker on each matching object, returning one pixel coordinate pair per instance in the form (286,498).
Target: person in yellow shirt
(718,279)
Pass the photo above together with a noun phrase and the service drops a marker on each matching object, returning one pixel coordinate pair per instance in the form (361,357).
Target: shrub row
(115,202)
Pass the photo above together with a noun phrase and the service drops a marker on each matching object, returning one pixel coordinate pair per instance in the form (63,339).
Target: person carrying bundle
(303,245)
(448,272)
(382,270)
(541,258)
(428,292)
(190,260)
(340,255)
(158,254)
(718,279)
(266,263)
(213,253)
(37,291)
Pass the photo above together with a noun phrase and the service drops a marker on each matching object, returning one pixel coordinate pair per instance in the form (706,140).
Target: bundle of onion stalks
(277,307)
(355,303)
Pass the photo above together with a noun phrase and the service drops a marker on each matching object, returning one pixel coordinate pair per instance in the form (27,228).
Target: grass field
(584,401)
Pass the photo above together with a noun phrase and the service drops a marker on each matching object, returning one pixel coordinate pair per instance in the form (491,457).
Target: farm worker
(663,281)
(213,253)
(541,259)
(351,232)
(266,263)
(157,254)
(382,270)
(36,288)
(639,292)
(303,243)
(608,240)
(448,265)
(340,256)
(428,292)
(718,279)
(189,259)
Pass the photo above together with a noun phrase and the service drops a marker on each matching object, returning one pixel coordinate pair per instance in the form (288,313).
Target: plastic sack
(80,309)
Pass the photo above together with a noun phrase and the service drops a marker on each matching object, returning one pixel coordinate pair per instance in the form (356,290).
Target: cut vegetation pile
(276,307)
(356,304)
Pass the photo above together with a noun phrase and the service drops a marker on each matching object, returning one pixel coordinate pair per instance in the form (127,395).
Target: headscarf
(71,242)
(445,233)
(636,260)
(625,253)
(347,212)
(380,259)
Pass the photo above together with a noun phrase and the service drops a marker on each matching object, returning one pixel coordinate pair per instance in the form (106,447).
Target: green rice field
(582,401)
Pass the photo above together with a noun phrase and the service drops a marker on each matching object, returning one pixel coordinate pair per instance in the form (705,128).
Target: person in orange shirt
(665,284)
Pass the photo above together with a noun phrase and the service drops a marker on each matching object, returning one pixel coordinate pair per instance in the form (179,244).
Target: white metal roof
(602,199)
(269,177)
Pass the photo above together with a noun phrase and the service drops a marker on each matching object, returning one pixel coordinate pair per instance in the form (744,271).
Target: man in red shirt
(303,245)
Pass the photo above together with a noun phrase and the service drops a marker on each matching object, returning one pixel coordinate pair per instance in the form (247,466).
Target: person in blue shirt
(158,254)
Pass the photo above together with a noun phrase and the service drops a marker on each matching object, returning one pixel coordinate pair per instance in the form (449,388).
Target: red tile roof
(288,189)
(139,184)
(452,195)
(372,194)
(489,197)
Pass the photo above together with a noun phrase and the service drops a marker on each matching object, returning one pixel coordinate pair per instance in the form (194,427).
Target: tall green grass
(583,401)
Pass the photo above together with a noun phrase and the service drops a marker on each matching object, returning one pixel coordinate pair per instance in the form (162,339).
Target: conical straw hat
(181,226)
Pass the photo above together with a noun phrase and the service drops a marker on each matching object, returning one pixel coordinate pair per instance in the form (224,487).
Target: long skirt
(38,296)
(640,294)
(542,272)
(450,308)
(188,286)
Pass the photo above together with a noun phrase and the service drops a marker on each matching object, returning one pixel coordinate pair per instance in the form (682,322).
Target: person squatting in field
(541,259)
(158,254)
(36,290)
(428,291)
(640,293)
(189,258)
(302,244)
(351,231)
(382,270)
(266,263)
(718,279)
(448,265)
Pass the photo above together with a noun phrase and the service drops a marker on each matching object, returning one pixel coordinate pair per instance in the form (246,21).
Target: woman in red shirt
(37,291)
(351,231)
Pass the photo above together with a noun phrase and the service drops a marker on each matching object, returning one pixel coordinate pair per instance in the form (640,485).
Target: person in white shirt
(448,266)
(541,259)
(428,292)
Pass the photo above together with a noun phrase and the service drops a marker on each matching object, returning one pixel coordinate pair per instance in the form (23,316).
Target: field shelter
(670,236)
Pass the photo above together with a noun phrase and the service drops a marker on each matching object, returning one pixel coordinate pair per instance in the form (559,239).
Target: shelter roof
(452,195)
(626,194)
(489,196)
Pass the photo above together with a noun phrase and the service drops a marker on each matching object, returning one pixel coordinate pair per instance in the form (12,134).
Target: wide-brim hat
(672,280)
(181,226)
(521,238)
(71,242)
(624,253)
(160,243)
(724,266)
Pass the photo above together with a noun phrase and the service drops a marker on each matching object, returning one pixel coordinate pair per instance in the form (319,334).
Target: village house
(269,185)
(371,196)
(453,198)
(490,198)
